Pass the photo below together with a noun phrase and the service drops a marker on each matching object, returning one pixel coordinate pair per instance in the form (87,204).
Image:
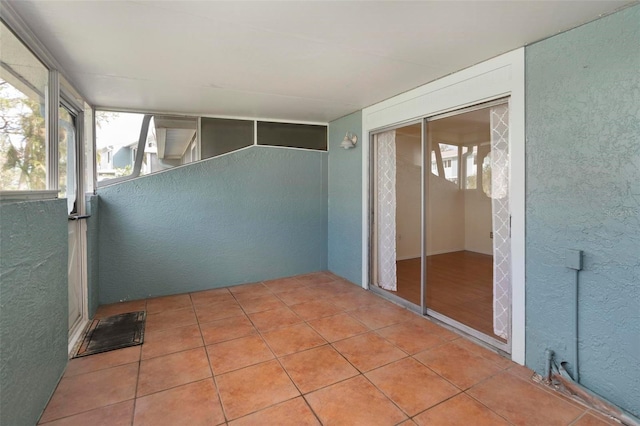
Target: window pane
(449,155)
(292,135)
(88,150)
(220,136)
(471,167)
(23,136)
(168,143)
(66,157)
(117,135)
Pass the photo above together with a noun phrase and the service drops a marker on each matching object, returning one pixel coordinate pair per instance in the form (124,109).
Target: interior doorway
(441,220)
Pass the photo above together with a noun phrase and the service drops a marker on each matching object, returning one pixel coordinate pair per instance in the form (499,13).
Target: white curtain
(386,209)
(501,220)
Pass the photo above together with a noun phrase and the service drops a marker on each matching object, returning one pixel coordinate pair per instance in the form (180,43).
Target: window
(220,135)
(67,134)
(129,145)
(292,135)
(447,164)
(23,113)
(117,136)
(132,144)
(471,169)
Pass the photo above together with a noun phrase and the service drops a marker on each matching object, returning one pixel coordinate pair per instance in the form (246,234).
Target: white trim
(52,97)
(366,143)
(75,335)
(495,78)
(49,194)
(517,205)
(109,182)
(203,115)
(255,132)
(291,147)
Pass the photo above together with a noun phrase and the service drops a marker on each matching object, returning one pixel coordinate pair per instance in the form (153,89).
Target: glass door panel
(397,212)
(467,220)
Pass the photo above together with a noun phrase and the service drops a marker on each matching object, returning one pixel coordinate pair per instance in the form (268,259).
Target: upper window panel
(168,141)
(220,135)
(292,135)
(23,136)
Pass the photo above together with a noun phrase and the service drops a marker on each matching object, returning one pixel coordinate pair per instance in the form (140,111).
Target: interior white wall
(477,222)
(445,217)
(456,219)
(408,196)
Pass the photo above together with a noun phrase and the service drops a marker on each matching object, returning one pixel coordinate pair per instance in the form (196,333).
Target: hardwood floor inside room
(459,285)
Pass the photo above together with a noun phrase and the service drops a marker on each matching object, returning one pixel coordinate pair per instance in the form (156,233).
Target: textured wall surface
(583,192)
(92,254)
(345,200)
(33,307)
(251,215)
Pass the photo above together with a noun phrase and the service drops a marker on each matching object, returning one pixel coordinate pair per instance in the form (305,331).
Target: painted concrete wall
(583,192)
(33,307)
(345,200)
(255,214)
(122,158)
(92,254)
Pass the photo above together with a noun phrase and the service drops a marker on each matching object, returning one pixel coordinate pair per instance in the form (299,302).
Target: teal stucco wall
(251,215)
(345,200)
(92,253)
(583,193)
(33,307)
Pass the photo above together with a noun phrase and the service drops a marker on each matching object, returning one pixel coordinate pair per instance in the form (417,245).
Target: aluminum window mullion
(52,104)
(426,173)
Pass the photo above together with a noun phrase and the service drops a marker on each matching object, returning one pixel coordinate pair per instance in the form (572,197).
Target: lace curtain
(386,209)
(501,220)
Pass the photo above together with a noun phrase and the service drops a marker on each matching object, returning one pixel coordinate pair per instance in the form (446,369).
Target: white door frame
(76,331)
(493,79)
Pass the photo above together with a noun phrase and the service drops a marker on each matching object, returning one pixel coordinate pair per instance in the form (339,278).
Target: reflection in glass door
(468,278)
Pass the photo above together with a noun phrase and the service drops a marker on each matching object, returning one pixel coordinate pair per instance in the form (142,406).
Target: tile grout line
(487,407)
(135,392)
(301,394)
(206,354)
(324,297)
(275,357)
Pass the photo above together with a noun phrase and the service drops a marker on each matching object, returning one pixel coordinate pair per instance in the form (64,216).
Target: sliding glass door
(441,219)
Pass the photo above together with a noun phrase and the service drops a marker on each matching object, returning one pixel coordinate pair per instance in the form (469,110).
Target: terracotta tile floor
(305,350)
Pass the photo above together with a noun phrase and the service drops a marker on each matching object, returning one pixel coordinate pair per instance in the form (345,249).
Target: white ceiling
(307,61)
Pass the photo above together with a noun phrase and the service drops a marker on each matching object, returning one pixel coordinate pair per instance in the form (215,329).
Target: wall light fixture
(350,141)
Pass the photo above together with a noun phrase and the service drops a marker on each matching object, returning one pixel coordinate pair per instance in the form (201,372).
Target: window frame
(56,95)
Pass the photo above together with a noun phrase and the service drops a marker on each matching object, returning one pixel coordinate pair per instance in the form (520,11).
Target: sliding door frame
(500,77)
(426,149)
(371,209)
